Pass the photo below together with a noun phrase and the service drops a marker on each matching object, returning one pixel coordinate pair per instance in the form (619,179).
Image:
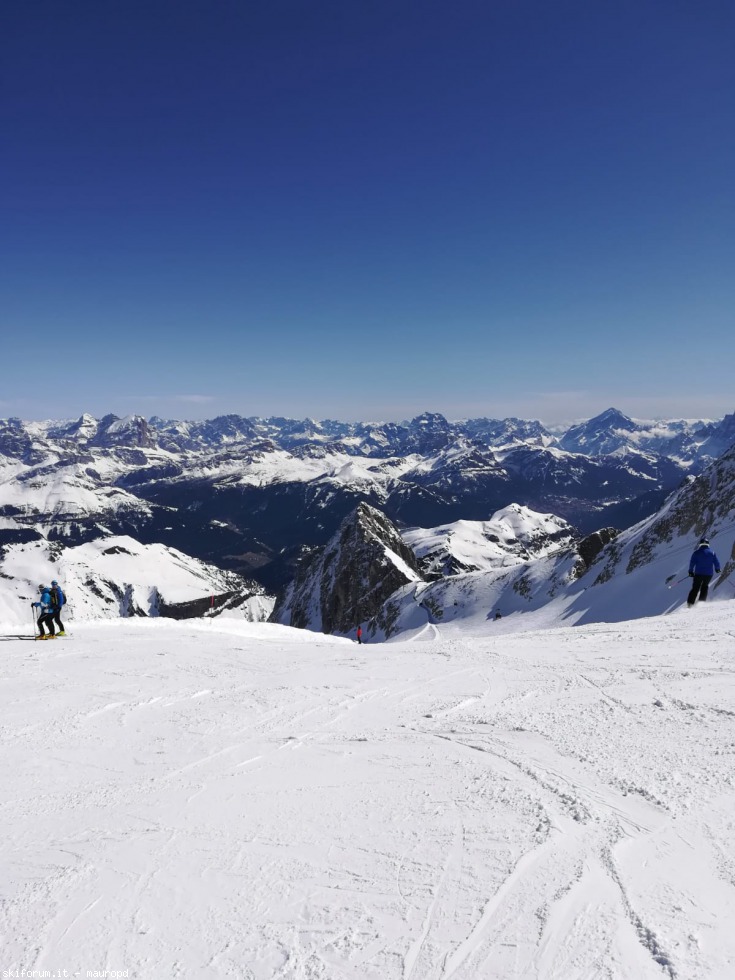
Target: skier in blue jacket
(46,617)
(58,599)
(702,566)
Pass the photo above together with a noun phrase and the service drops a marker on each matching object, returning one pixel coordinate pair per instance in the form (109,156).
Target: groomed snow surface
(240,800)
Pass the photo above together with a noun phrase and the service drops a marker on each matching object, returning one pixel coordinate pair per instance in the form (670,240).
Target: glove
(691,574)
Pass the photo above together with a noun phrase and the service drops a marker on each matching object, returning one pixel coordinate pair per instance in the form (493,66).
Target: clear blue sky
(367,209)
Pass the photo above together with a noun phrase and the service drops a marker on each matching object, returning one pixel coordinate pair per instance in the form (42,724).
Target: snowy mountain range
(425,435)
(253,495)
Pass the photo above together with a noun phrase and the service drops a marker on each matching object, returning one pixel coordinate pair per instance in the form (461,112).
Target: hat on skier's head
(41,588)
(54,582)
(704,540)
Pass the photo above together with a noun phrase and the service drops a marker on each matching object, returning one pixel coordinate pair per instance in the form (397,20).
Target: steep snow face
(644,571)
(118,576)
(511,536)
(231,800)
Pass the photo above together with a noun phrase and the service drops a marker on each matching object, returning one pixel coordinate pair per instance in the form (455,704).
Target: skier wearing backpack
(46,617)
(702,566)
(58,599)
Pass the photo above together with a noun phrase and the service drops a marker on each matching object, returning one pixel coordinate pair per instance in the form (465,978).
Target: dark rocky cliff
(348,582)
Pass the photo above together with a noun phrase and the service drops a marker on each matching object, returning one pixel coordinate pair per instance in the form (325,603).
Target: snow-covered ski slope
(245,800)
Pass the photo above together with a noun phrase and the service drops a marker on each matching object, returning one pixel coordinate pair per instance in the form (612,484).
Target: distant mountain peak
(430,419)
(612,417)
(604,433)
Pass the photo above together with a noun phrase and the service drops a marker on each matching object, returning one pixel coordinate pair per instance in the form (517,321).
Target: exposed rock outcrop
(590,547)
(250,599)
(349,581)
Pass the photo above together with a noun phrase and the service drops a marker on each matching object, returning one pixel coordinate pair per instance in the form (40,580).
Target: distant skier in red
(359,634)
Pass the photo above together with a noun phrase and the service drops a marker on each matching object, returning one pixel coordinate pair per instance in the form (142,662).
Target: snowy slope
(252,801)
(59,490)
(511,536)
(643,572)
(116,576)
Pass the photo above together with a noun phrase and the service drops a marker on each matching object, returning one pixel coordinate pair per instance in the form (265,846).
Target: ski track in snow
(545,806)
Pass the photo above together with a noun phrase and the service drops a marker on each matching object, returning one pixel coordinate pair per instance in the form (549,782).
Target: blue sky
(367,209)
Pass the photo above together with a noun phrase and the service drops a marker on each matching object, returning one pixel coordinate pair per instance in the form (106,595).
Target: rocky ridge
(348,583)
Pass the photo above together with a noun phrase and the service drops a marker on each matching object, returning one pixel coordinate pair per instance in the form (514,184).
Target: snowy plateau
(190,791)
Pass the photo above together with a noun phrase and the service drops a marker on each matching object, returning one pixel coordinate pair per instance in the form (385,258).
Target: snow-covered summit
(602,434)
(512,535)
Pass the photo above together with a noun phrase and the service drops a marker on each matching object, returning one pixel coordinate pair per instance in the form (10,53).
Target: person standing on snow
(359,634)
(58,599)
(702,566)
(46,618)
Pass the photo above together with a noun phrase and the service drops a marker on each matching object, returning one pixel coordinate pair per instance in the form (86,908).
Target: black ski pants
(47,620)
(56,613)
(700,588)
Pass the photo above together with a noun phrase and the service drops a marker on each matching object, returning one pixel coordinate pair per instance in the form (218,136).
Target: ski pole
(34,622)
(676,583)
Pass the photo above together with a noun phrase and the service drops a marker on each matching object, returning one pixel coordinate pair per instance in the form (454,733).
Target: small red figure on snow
(359,634)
